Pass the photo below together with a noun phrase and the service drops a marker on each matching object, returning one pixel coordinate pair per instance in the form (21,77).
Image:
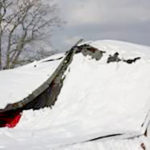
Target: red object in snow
(13,122)
(9,118)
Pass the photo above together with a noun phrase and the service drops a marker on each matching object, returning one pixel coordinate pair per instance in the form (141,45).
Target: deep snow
(97,99)
(18,83)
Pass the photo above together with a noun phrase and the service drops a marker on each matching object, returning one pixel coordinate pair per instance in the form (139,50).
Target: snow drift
(98,98)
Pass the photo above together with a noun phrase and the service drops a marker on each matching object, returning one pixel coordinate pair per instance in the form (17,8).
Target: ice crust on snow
(97,99)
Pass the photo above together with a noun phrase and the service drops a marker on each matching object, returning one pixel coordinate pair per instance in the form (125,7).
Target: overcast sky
(127,20)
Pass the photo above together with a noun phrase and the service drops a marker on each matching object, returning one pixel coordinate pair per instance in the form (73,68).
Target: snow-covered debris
(98,99)
(17,84)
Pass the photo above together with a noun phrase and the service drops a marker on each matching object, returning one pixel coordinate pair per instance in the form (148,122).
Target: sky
(126,20)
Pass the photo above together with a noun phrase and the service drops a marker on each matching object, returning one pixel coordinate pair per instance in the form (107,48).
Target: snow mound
(98,99)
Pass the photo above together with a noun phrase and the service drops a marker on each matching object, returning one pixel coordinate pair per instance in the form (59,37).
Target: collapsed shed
(50,84)
(46,94)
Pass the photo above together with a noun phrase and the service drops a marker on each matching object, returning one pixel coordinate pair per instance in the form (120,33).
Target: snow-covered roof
(125,49)
(19,83)
(97,99)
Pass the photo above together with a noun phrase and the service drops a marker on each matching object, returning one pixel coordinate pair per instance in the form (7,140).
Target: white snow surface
(18,83)
(97,99)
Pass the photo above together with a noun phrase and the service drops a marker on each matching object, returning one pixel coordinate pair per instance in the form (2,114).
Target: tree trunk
(0,49)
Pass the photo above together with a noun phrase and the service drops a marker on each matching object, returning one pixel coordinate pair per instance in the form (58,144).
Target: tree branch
(22,22)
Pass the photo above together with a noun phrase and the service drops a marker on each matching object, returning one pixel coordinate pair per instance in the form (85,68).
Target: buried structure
(46,94)
(90,87)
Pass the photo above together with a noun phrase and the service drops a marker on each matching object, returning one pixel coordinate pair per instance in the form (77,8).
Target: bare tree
(21,23)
